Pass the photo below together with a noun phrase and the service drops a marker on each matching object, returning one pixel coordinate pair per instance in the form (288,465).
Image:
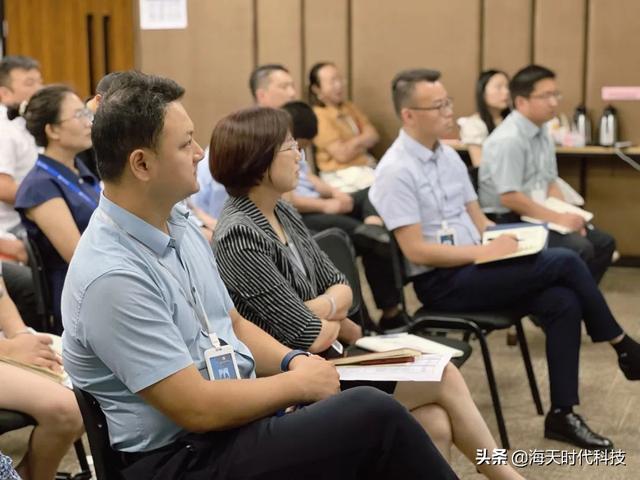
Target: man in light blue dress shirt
(143,301)
(424,195)
(519,170)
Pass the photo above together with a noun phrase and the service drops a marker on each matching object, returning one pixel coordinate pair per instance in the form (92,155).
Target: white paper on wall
(163,14)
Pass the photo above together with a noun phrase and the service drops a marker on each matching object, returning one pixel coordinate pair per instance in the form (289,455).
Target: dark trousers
(554,285)
(377,268)
(20,287)
(595,249)
(359,434)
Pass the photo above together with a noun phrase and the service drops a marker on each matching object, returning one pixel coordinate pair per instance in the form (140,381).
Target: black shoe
(571,428)
(372,238)
(632,372)
(399,320)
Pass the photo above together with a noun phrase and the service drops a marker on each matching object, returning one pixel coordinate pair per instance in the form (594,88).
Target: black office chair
(338,247)
(479,324)
(11,420)
(41,287)
(106,462)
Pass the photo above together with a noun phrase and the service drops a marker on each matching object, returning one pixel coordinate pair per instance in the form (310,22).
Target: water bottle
(582,124)
(609,127)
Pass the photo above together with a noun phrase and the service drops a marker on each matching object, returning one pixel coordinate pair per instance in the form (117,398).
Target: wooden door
(76,41)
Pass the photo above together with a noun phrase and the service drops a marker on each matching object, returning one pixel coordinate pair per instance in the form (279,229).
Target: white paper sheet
(163,14)
(426,368)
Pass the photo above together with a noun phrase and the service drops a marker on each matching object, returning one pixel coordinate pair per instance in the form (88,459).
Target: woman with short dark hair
(278,277)
(58,196)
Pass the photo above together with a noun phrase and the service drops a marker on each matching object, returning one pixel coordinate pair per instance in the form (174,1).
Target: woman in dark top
(279,278)
(58,196)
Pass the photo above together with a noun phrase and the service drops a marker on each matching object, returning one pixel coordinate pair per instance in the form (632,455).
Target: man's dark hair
(243,146)
(260,76)
(131,116)
(105,82)
(404,83)
(481,103)
(524,82)
(44,109)
(304,123)
(14,62)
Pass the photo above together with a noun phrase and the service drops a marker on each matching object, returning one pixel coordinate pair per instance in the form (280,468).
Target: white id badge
(446,235)
(221,363)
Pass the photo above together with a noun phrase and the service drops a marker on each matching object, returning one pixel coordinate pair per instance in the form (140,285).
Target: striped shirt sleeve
(259,290)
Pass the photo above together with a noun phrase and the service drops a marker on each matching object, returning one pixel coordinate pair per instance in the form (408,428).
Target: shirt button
(80,181)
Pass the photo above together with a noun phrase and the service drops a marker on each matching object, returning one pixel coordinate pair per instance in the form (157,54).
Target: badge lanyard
(445,234)
(196,304)
(71,186)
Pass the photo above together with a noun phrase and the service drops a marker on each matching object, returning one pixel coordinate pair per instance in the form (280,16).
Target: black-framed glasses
(80,114)
(442,107)
(557,96)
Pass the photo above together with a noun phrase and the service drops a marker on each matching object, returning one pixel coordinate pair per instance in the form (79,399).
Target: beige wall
(590,43)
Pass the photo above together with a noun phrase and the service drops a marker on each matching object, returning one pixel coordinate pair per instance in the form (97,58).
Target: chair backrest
(400,278)
(474,177)
(338,247)
(41,287)
(106,462)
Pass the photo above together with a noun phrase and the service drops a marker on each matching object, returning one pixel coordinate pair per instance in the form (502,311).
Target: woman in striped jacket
(279,278)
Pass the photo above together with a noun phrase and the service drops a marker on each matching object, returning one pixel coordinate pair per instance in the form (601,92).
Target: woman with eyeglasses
(345,134)
(279,279)
(58,196)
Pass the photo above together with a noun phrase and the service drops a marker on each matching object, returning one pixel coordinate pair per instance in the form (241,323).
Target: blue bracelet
(284,365)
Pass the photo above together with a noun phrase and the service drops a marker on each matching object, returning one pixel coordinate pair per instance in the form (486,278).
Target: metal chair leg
(493,389)
(85,470)
(531,376)
(433,321)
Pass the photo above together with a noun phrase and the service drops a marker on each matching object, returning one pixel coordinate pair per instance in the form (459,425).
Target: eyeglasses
(293,145)
(442,107)
(81,114)
(548,96)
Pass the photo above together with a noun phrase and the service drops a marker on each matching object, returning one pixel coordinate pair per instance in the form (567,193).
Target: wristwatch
(284,365)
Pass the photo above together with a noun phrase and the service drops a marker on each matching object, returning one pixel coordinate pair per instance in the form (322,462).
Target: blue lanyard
(71,186)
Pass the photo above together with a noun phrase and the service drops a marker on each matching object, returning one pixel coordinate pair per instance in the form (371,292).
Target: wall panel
(559,43)
(62,52)
(212,59)
(613,46)
(326,35)
(506,35)
(280,34)
(432,34)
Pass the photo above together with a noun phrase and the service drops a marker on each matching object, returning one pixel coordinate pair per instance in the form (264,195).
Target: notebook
(398,355)
(384,343)
(61,378)
(531,239)
(559,206)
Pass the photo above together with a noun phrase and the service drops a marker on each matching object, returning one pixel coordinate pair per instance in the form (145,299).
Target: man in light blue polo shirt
(519,170)
(144,307)
(424,195)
